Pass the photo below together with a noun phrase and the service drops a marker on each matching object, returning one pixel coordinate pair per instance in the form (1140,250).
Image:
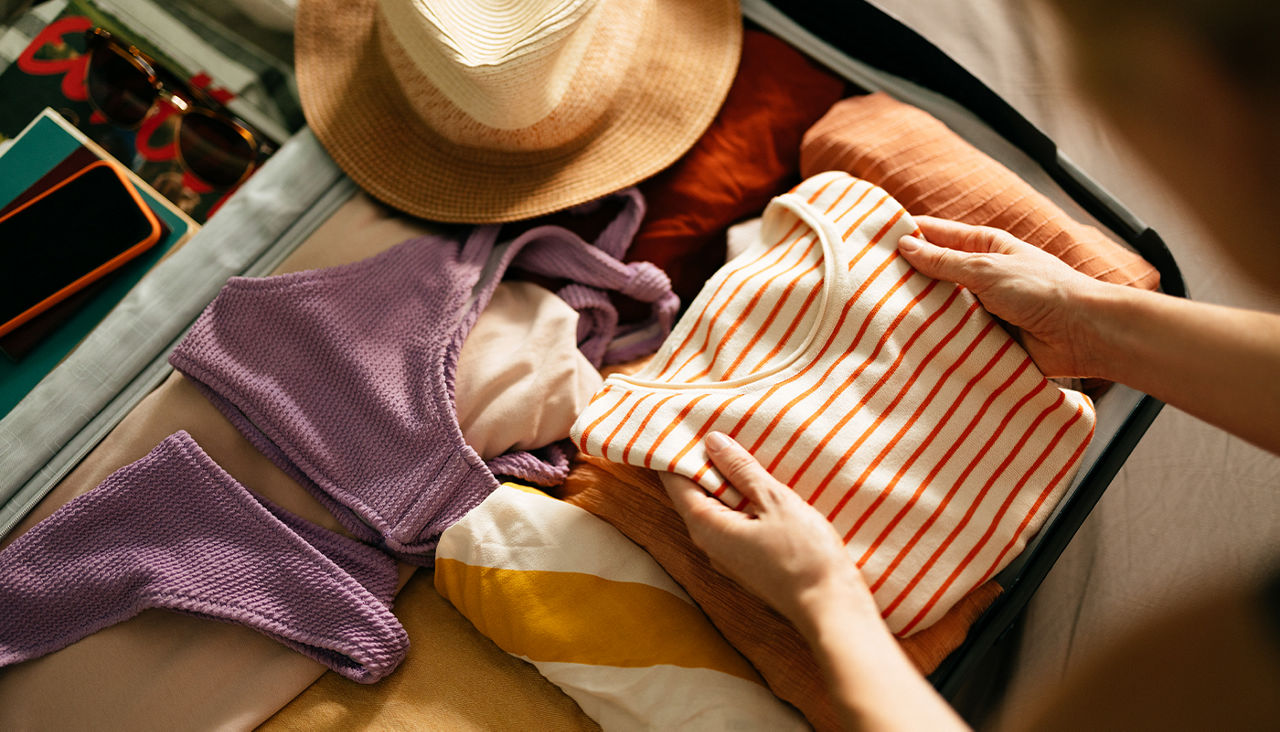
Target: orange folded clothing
(634,501)
(931,171)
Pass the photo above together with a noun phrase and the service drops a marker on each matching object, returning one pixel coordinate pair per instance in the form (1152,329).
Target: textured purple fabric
(174,531)
(344,376)
(600,338)
(547,466)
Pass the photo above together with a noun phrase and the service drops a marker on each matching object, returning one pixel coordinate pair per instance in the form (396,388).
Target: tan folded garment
(168,671)
(634,501)
(522,398)
(453,679)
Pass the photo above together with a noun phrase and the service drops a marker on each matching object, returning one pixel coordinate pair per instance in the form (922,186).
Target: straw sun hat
(483,111)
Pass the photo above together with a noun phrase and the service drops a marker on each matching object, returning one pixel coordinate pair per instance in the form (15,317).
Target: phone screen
(64,235)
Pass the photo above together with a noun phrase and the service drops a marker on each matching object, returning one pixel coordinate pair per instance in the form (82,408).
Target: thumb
(741,469)
(937,262)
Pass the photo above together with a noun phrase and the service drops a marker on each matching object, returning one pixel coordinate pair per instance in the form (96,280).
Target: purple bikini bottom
(175,531)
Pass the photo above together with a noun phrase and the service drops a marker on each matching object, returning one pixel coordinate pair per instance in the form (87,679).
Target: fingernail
(909,244)
(718,441)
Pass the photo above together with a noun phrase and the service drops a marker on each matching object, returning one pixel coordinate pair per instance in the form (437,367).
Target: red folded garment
(750,153)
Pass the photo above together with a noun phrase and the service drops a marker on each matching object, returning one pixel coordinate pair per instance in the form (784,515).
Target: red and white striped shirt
(892,402)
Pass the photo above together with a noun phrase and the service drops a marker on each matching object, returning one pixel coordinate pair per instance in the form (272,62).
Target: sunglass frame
(101,39)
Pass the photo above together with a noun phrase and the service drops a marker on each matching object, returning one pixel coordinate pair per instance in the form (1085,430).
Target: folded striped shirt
(892,402)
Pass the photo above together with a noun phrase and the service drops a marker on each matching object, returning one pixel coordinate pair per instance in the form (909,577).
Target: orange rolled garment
(931,171)
(634,501)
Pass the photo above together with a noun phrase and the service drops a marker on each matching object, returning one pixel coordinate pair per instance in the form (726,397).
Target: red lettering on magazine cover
(73,65)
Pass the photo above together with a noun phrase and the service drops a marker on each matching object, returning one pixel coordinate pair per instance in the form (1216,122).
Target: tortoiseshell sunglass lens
(214,149)
(120,89)
(125,86)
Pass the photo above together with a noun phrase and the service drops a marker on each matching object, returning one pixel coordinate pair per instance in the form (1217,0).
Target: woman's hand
(788,554)
(780,547)
(1018,283)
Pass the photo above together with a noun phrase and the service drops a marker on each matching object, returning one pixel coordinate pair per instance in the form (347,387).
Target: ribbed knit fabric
(344,376)
(600,336)
(890,401)
(933,171)
(174,531)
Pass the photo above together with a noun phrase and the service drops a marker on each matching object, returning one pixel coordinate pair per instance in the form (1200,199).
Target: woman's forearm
(1220,364)
(873,683)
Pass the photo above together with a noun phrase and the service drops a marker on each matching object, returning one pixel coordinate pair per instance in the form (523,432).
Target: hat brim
(686,57)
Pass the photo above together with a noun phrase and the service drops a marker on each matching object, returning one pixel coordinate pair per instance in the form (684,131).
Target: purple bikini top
(344,377)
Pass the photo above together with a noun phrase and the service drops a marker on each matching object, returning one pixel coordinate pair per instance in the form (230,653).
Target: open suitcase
(864,44)
(290,197)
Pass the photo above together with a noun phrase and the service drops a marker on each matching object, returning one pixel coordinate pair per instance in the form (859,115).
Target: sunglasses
(125,85)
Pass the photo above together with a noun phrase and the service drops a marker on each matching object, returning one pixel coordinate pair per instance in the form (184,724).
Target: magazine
(49,146)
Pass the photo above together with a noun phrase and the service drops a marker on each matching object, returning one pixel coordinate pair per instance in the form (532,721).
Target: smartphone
(69,237)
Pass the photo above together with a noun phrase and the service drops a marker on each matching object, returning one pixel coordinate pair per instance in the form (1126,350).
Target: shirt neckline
(827,237)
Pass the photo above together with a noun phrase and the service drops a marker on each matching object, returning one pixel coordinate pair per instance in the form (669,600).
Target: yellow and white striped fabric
(562,589)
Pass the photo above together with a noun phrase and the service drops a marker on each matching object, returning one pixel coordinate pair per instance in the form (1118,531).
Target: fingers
(937,262)
(966,237)
(684,492)
(741,469)
(689,498)
(957,252)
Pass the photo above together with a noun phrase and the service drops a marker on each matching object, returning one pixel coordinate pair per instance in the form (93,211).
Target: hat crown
(490,32)
(504,63)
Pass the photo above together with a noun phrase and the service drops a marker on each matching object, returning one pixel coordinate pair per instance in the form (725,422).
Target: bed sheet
(1193,507)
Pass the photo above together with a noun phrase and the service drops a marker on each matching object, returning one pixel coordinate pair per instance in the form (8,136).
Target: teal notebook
(45,144)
